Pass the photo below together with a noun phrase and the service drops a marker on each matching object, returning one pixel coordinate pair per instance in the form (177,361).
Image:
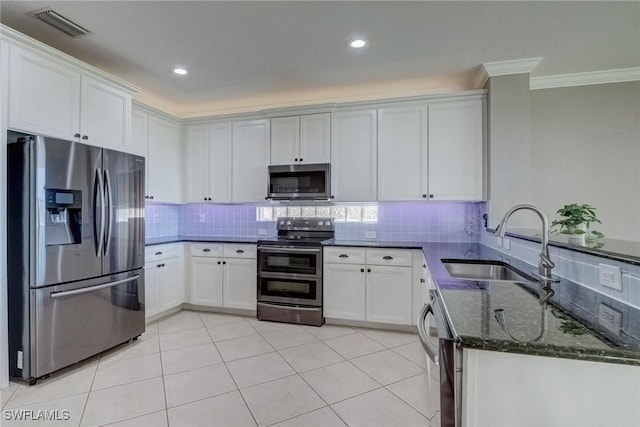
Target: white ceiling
(246,56)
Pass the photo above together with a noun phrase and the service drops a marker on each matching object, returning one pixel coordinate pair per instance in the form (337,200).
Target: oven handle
(291,276)
(297,307)
(288,249)
(431,350)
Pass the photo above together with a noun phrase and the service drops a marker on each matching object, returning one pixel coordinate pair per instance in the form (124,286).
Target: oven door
(290,260)
(290,289)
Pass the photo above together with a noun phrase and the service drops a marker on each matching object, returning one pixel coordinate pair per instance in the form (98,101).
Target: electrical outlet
(610,318)
(499,241)
(506,244)
(201,218)
(610,276)
(156,218)
(369,234)
(262,231)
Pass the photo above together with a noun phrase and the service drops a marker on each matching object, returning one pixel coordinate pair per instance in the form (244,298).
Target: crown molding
(586,78)
(16,38)
(515,66)
(481,77)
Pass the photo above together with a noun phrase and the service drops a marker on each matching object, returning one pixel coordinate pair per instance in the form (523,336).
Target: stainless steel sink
(485,270)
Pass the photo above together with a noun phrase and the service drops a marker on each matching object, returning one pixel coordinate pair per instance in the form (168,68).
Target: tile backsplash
(402,221)
(578,267)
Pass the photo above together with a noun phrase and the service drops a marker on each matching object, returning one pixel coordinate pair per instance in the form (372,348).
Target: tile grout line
(86,400)
(232,378)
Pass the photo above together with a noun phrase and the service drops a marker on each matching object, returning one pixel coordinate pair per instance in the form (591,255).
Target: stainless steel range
(290,271)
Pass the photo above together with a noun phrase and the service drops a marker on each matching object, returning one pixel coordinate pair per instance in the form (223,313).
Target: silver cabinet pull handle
(387,257)
(158,253)
(206,250)
(343,256)
(239,251)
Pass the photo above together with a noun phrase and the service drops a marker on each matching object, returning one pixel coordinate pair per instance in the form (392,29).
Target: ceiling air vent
(61,23)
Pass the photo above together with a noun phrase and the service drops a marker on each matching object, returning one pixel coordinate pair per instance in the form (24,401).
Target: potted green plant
(575,221)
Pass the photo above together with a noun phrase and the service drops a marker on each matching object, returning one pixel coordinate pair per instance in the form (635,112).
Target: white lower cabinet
(370,284)
(389,294)
(206,281)
(565,391)
(223,275)
(344,287)
(164,288)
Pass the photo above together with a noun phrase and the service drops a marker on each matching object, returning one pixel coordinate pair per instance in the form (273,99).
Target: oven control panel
(315,224)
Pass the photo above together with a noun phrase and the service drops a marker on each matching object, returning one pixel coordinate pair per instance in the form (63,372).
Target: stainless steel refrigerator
(75,226)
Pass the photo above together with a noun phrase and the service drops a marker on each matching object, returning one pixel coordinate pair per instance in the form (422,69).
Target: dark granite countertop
(217,239)
(573,330)
(615,249)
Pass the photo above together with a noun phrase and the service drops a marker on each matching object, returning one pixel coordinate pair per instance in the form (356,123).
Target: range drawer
(207,250)
(399,257)
(344,255)
(239,250)
(158,252)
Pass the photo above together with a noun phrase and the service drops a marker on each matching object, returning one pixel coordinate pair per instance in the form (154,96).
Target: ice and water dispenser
(63,217)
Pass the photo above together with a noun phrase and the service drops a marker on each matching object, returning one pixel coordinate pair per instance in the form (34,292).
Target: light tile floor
(209,369)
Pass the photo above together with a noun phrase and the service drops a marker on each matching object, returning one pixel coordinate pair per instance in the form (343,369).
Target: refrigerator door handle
(108,192)
(92,288)
(98,234)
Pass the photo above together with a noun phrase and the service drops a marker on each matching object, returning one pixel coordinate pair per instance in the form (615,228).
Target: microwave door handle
(108,192)
(429,348)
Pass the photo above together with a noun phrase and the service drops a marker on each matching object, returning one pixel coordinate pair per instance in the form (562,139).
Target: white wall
(586,149)
(509,148)
(4,337)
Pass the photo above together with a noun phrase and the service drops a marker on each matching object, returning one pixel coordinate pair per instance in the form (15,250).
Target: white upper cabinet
(301,139)
(208,163)
(163,184)
(354,156)
(402,154)
(456,136)
(51,97)
(44,95)
(250,154)
(105,114)
(139,132)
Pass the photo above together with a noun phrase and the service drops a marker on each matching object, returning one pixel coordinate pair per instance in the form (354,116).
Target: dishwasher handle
(428,346)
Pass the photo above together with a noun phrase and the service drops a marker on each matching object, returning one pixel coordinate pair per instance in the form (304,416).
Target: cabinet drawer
(238,250)
(400,257)
(344,255)
(158,252)
(207,250)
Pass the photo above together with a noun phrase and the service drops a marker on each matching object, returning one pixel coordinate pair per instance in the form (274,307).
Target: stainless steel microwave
(300,182)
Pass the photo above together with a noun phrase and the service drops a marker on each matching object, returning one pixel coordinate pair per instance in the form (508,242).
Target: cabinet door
(402,151)
(150,289)
(139,133)
(344,291)
(197,164)
(105,115)
(354,156)
(250,160)
(456,136)
(44,95)
(285,140)
(163,161)
(315,138)
(220,162)
(240,283)
(206,281)
(169,284)
(389,295)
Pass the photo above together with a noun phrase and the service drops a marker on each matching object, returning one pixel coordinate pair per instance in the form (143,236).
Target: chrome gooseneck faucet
(545,265)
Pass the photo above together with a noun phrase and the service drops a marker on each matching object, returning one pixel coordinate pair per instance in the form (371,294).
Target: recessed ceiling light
(180,71)
(357,44)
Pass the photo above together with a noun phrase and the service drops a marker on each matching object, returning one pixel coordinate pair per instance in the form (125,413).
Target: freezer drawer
(78,320)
